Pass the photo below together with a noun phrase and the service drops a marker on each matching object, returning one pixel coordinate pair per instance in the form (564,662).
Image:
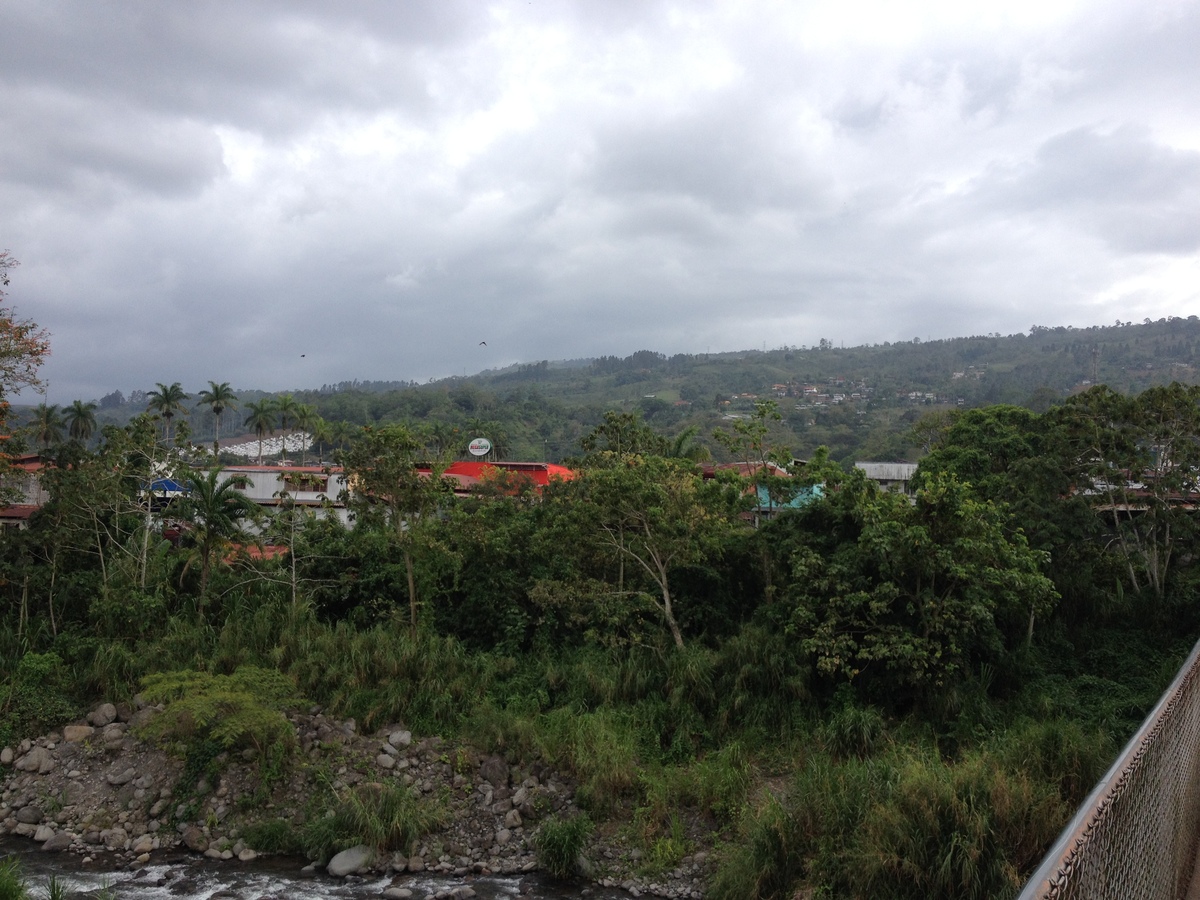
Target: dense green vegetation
(865,695)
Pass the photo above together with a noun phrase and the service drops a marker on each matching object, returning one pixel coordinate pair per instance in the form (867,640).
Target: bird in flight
(483,343)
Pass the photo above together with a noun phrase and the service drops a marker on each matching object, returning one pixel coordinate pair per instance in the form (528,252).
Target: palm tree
(167,401)
(219,399)
(262,419)
(323,434)
(343,433)
(685,447)
(81,420)
(287,409)
(214,508)
(48,425)
(306,421)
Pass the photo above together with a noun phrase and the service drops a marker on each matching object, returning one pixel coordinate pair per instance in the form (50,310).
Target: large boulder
(30,815)
(194,839)
(495,771)
(350,861)
(60,841)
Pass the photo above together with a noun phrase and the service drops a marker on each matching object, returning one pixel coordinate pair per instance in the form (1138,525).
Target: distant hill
(858,401)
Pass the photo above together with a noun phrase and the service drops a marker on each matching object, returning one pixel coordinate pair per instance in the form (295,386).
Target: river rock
(38,759)
(494,770)
(194,839)
(114,838)
(398,893)
(30,815)
(6,756)
(349,861)
(74,733)
(400,738)
(384,761)
(58,842)
(102,715)
(43,834)
(122,777)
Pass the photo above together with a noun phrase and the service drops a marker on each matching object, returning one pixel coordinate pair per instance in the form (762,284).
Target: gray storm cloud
(209,190)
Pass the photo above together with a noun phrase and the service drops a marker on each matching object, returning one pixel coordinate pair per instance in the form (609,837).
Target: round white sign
(480,447)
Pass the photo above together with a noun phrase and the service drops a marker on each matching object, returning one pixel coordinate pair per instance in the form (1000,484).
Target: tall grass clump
(385,674)
(761,685)
(769,861)
(12,883)
(559,844)
(1058,752)
(803,835)
(115,670)
(383,817)
(853,730)
(599,748)
(967,831)
(716,785)
(274,836)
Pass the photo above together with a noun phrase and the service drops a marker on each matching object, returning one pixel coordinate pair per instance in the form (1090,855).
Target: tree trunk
(412,592)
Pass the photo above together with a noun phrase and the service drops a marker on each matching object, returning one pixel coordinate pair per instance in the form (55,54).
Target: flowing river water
(178,876)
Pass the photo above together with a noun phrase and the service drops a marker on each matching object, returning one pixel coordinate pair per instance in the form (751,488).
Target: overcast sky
(286,194)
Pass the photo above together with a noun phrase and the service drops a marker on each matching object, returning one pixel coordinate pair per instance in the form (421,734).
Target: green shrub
(559,842)
(36,697)
(239,710)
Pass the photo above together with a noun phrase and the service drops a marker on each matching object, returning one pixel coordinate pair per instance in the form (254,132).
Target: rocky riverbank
(96,789)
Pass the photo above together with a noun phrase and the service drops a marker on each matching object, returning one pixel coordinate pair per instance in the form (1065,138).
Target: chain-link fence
(1135,837)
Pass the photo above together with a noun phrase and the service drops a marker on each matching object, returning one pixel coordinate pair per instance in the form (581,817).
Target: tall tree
(218,398)
(23,348)
(910,597)
(684,446)
(167,400)
(81,420)
(306,420)
(619,435)
(384,467)
(659,514)
(261,418)
(287,408)
(1137,461)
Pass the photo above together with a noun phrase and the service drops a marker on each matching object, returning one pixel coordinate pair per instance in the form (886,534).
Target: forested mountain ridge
(860,402)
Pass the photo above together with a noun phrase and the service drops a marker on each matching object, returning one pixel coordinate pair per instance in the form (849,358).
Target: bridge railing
(1136,835)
